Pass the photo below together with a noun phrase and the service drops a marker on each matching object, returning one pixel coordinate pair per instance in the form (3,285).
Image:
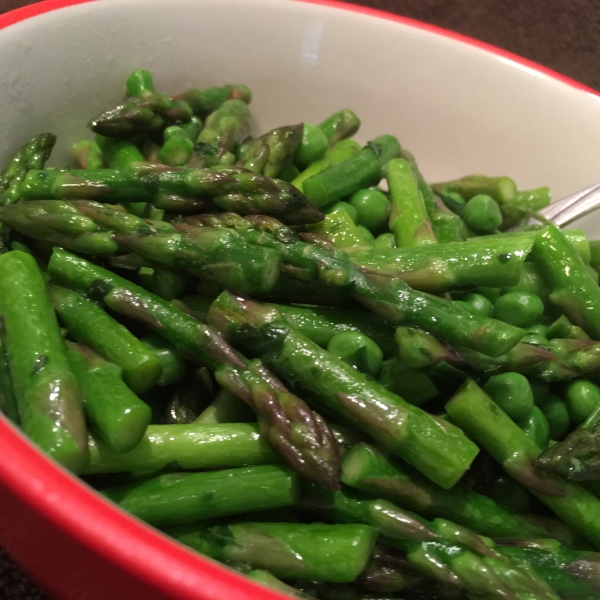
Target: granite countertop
(559,35)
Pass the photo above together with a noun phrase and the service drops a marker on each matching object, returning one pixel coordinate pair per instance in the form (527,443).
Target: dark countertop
(559,35)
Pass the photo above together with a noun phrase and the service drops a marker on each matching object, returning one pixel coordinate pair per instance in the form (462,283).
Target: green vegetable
(177,148)
(372,208)
(409,221)
(574,292)
(178,498)
(479,303)
(93,327)
(367,235)
(512,393)
(88,155)
(582,397)
(519,309)
(113,410)
(32,155)
(357,172)
(270,581)
(442,267)
(230,189)
(48,395)
(482,213)
(271,153)
(196,446)
(385,241)
(312,146)
(339,153)
(412,384)
(339,126)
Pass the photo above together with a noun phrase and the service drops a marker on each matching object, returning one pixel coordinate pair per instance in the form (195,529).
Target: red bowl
(73,542)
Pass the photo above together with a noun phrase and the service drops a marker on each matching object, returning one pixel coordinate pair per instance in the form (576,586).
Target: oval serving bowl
(459,105)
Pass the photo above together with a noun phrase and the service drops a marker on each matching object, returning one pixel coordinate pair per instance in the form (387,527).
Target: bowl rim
(163,564)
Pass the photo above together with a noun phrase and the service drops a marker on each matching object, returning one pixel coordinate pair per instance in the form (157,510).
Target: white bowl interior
(459,109)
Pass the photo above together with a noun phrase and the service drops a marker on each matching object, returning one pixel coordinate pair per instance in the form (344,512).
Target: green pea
(289,173)
(511,493)
(519,308)
(312,147)
(536,427)
(372,207)
(482,214)
(479,303)
(357,350)
(366,234)
(512,393)
(492,294)
(557,415)
(530,282)
(581,398)
(341,206)
(385,240)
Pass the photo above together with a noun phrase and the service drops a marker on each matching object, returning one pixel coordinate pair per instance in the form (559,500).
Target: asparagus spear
(408,218)
(316,552)
(93,327)
(178,498)
(369,471)
(439,549)
(473,411)
(32,155)
(216,255)
(290,427)
(339,126)
(144,110)
(197,446)
(226,126)
(118,415)
(438,268)
(88,155)
(441,452)
(573,290)
(319,324)
(40,221)
(388,297)
(230,188)
(271,153)
(573,574)
(358,172)
(205,102)
(576,457)
(48,396)
(339,153)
